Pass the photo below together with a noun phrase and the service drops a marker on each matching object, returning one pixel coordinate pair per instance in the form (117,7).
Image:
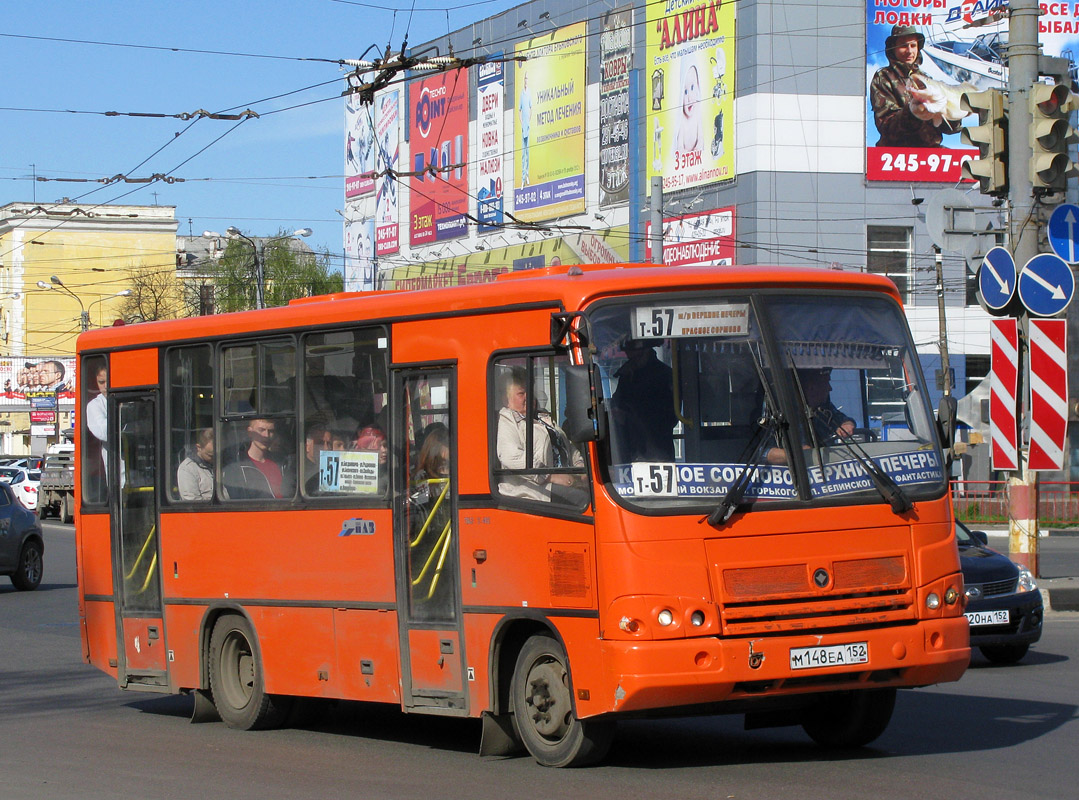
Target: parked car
(22,548)
(1004,606)
(24,483)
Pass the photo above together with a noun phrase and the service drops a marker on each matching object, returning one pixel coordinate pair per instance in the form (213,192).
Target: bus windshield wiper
(886,487)
(771,422)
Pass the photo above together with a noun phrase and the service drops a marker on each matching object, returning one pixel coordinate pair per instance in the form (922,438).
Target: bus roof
(571,287)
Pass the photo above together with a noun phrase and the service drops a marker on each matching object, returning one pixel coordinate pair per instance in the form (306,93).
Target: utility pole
(1023,230)
(942,324)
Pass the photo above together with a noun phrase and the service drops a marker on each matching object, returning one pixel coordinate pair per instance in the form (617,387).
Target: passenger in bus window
(338,440)
(512,444)
(373,439)
(316,440)
(97,422)
(195,475)
(255,473)
(643,405)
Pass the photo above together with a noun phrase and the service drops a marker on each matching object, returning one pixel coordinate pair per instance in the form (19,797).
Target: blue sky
(256,176)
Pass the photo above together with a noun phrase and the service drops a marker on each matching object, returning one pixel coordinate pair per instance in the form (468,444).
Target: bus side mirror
(581,422)
(947,413)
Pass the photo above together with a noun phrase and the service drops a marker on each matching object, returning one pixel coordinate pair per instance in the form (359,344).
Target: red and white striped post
(1004,387)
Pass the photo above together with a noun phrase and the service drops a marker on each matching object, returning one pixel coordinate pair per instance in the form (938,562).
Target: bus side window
(257,434)
(534,459)
(94,388)
(345,417)
(190,413)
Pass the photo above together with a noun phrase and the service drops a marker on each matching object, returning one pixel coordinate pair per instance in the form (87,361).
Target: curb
(1061,599)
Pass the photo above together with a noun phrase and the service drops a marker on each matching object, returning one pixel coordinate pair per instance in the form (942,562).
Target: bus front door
(425,533)
(137,568)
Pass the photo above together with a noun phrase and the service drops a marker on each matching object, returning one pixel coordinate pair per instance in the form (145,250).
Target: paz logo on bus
(357,527)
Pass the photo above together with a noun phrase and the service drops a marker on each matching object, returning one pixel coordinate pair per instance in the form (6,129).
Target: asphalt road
(66,731)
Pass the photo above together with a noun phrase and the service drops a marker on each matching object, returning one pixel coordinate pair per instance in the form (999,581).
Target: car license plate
(833,655)
(977,618)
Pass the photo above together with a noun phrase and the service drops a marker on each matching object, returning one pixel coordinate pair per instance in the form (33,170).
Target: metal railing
(987,501)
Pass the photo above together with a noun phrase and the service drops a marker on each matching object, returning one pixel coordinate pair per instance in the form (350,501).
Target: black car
(1004,606)
(22,547)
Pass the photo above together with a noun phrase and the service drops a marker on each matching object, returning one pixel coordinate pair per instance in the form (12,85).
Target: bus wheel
(543,709)
(236,679)
(28,574)
(849,719)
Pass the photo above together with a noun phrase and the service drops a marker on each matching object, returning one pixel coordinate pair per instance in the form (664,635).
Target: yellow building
(64,268)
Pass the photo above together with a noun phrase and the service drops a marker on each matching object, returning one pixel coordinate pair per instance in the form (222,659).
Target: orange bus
(550,501)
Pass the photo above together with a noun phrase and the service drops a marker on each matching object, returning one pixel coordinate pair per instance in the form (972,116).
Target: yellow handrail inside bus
(149,575)
(431,514)
(142,552)
(441,548)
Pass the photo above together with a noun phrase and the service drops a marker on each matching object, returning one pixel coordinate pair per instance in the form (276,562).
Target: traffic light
(990,169)
(1050,136)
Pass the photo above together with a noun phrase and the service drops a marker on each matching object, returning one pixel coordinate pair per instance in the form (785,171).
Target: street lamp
(257,250)
(124,293)
(84,318)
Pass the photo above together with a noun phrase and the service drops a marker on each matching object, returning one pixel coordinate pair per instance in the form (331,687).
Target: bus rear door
(132,470)
(425,527)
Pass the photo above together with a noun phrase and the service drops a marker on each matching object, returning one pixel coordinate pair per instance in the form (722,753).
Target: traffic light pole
(1023,229)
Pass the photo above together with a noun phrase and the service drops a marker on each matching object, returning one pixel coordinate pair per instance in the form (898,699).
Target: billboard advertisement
(491,94)
(920,58)
(689,59)
(438,141)
(548,137)
(359,148)
(702,240)
(388,150)
(359,255)
(615,63)
(27,378)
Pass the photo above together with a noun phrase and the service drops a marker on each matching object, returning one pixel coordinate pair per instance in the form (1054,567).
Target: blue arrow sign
(1046,285)
(1064,232)
(996,279)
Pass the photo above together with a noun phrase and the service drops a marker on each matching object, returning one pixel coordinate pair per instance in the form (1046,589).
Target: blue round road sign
(996,279)
(1046,285)
(1064,232)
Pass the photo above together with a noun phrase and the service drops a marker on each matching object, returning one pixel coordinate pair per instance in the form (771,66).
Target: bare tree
(155,294)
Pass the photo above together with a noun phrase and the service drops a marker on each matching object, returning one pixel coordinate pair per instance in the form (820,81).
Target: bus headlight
(665,617)
(932,601)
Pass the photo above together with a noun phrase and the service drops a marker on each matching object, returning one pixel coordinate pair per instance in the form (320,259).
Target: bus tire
(543,709)
(849,719)
(236,678)
(27,575)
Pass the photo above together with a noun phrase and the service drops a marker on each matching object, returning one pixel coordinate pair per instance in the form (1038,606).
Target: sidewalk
(1058,564)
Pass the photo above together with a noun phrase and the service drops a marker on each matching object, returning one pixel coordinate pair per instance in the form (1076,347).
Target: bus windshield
(772,397)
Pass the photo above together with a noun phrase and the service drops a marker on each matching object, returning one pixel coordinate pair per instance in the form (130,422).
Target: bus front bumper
(644,675)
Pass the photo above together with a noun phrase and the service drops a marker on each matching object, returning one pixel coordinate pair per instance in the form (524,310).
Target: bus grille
(786,598)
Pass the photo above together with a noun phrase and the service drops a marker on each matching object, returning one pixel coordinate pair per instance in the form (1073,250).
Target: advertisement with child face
(690,88)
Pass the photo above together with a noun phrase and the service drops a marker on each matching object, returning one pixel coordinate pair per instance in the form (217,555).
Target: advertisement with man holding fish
(921,56)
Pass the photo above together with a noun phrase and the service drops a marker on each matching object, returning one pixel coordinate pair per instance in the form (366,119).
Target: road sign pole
(1023,484)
